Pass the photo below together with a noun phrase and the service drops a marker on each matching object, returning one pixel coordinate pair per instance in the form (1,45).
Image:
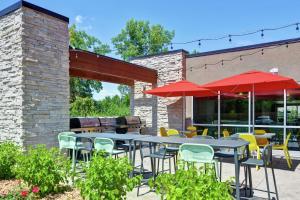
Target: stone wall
(46,77)
(34,71)
(158,111)
(11,91)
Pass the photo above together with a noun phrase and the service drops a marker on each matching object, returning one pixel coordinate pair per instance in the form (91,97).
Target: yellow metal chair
(284,148)
(261,142)
(226,133)
(163,132)
(252,143)
(205,131)
(192,133)
(172,132)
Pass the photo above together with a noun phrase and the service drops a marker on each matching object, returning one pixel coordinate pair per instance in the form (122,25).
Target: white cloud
(78,19)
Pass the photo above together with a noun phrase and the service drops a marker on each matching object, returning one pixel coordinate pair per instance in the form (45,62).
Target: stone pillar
(158,111)
(36,70)
(11,75)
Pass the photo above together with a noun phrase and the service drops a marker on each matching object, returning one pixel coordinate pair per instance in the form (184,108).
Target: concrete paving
(288,180)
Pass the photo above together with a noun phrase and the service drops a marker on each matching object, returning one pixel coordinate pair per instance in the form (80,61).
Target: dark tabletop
(114,136)
(179,140)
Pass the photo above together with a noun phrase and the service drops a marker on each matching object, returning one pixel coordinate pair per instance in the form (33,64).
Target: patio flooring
(288,180)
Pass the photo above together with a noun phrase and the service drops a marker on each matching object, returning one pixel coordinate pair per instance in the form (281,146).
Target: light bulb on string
(262,33)
(287,45)
(205,67)
(199,43)
(171,46)
(241,58)
(297,26)
(262,51)
(230,40)
(222,62)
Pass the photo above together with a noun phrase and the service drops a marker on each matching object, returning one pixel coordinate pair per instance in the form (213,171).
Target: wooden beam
(99,77)
(104,65)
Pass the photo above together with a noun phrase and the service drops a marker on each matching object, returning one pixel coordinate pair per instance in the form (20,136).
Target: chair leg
(216,169)
(157,166)
(163,164)
(267,181)
(275,185)
(246,179)
(175,166)
(287,158)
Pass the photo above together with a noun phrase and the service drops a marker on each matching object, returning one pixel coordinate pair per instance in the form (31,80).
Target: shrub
(191,185)
(107,178)
(43,168)
(8,156)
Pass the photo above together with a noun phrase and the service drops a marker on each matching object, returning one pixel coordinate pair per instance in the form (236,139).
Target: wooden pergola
(88,65)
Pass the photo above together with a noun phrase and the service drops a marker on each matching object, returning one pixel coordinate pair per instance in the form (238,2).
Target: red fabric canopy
(180,88)
(257,80)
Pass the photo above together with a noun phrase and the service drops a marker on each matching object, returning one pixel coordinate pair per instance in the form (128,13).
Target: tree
(139,38)
(124,90)
(83,107)
(80,39)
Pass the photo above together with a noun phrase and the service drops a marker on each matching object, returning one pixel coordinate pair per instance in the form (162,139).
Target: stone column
(34,71)
(158,111)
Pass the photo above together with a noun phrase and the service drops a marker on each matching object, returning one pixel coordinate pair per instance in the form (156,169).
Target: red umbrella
(253,80)
(180,88)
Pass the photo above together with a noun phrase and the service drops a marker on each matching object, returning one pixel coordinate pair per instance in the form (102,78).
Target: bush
(191,185)
(9,153)
(107,178)
(43,168)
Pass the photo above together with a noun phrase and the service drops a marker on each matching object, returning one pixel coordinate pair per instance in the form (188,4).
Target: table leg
(134,154)
(130,152)
(237,174)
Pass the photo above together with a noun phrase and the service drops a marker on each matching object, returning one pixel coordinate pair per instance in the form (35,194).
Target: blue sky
(191,19)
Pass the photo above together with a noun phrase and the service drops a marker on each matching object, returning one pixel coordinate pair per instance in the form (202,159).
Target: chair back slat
(66,141)
(198,153)
(104,144)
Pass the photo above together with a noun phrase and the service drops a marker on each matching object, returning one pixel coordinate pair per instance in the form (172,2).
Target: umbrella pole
(253,109)
(249,112)
(219,114)
(183,113)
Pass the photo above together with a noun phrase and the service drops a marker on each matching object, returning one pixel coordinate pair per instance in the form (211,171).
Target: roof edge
(244,48)
(26,4)
(159,54)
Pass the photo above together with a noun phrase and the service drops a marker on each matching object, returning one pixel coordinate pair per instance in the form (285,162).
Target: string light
(287,45)
(262,33)
(222,62)
(199,43)
(171,45)
(230,40)
(241,58)
(262,51)
(297,26)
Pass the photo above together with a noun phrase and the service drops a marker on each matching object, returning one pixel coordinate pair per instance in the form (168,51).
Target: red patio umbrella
(181,88)
(253,80)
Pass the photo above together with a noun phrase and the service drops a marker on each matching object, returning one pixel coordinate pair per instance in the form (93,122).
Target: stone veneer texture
(159,111)
(34,99)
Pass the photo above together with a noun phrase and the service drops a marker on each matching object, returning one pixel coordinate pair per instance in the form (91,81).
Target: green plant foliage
(9,152)
(83,106)
(43,168)
(139,38)
(107,178)
(109,106)
(191,185)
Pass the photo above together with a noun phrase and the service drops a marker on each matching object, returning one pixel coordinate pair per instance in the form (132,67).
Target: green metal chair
(67,141)
(107,145)
(198,153)
(265,162)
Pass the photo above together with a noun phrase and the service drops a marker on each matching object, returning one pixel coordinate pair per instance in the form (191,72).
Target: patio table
(114,136)
(233,144)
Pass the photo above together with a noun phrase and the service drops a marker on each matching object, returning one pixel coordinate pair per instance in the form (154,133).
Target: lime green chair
(106,145)
(198,153)
(284,148)
(205,132)
(67,141)
(172,132)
